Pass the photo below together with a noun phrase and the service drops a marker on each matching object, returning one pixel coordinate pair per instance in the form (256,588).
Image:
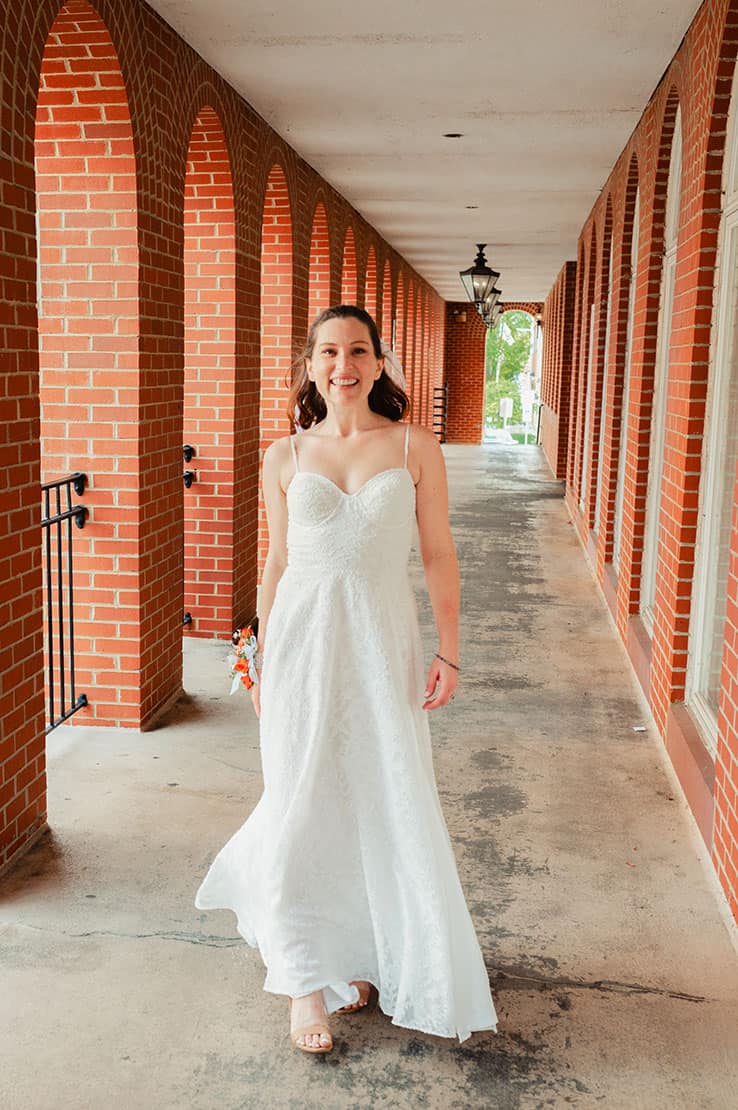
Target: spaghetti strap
(407,436)
(294,452)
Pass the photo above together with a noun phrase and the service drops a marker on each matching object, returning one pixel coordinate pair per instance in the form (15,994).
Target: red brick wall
(699,79)
(113,355)
(465,373)
(558,328)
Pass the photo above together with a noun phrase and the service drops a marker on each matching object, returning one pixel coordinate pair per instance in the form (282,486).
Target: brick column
(466,335)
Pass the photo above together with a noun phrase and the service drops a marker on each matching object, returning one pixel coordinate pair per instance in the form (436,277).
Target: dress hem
(462,1035)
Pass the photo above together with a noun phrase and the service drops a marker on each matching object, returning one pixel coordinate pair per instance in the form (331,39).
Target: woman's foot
(309,1027)
(364,991)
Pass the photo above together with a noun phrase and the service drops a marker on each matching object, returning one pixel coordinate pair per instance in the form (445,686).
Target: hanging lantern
(479,279)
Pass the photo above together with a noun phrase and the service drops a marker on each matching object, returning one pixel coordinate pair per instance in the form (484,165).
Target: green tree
(507,353)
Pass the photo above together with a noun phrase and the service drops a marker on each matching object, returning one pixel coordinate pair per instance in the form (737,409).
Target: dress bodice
(369,531)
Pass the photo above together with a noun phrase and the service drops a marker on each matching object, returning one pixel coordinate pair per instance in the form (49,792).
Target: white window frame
(625,404)
(660,385)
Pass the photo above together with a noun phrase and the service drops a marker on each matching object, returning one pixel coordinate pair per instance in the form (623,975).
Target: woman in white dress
(344,875)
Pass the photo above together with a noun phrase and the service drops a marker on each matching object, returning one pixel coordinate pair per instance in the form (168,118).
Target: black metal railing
(440,411)
(58,514)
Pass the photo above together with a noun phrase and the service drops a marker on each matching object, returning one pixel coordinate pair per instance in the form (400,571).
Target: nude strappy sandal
(318,1027)
(365,994)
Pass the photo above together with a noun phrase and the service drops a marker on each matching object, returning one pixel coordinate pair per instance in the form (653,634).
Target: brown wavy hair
(386,397)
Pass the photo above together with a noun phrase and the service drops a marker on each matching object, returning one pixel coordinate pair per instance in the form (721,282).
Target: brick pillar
(387,305)
(276,326)
(319,279)
(725,820)
(349,276)
(400,320)
(418,368)
(558,333)
(370,284)
(410,348)
(22,741)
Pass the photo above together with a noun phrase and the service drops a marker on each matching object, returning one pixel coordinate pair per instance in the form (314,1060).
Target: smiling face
(343,365)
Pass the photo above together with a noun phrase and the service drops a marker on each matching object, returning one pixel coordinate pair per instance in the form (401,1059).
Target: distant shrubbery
(507,354)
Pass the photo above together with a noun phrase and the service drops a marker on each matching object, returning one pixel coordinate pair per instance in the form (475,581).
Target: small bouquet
(242,659)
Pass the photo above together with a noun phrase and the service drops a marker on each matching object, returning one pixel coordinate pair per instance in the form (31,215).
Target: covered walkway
(608,944)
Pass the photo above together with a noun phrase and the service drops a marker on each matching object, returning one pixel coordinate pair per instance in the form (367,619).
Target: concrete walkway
(610,953)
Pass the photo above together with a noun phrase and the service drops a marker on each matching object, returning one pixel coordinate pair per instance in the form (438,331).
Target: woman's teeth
(344,381)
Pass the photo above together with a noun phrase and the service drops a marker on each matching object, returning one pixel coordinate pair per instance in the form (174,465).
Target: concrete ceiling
(545,96)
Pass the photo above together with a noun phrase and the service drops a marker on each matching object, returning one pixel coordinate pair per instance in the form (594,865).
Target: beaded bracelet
(448,661)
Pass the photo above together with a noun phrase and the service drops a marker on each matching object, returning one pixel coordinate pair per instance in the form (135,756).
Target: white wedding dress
(344,870)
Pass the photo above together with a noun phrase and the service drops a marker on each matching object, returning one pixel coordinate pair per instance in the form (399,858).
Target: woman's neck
(343,424)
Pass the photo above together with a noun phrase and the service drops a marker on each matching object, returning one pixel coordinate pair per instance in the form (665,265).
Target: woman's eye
(359,350)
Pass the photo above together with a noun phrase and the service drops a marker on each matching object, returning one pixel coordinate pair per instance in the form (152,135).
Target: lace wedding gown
(345,870)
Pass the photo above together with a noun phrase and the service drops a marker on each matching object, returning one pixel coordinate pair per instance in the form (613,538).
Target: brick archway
(88,342)
(209,379)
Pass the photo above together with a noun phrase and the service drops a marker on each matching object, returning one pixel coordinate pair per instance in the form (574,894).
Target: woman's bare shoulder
(422,436)
(276,458)
(423,442)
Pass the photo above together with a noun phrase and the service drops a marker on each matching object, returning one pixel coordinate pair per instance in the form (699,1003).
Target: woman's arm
(441,565)
(275,503)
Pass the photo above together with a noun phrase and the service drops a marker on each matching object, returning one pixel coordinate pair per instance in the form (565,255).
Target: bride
(345,866)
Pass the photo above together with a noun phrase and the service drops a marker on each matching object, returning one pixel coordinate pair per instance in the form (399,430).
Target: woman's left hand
(440,686)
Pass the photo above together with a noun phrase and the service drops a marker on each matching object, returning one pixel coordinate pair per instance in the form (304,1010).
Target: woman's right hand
(255,692)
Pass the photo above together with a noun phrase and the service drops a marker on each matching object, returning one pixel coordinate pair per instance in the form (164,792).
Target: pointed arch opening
(87,219)
(510,386)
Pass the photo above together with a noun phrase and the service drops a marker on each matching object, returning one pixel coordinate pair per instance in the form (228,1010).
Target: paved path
(612,963)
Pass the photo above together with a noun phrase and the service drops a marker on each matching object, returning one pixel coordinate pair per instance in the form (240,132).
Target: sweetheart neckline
(317,474)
